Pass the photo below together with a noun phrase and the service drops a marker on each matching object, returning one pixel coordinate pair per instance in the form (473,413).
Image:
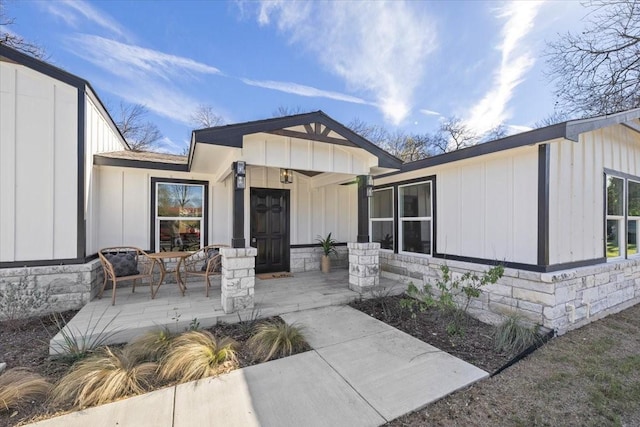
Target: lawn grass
(587,377)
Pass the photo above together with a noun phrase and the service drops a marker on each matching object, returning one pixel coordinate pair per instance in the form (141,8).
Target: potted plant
(328,247)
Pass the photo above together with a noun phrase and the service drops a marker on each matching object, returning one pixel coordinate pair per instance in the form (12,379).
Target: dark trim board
(314,245)
(543,204)
(139,164)
(615,173)
(152,210)
(48,262)
(524,266)
(81,223)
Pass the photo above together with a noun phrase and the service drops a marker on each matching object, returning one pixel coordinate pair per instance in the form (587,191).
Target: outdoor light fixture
(369,186)
(286,176)
(240,171)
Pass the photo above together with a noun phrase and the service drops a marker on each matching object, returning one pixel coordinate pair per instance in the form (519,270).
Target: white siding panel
(124,214)
(8,77)
(38,143)
(497,212)
(449,201)
(577,190)
(472,209)
(66,175)
(523,195)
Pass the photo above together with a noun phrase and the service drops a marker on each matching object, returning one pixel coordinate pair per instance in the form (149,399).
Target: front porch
(136,313)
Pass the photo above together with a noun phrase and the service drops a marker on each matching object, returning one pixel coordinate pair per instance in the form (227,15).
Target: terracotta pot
(325,264)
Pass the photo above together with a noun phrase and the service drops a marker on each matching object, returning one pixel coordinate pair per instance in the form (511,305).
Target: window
(381,218)
(179,216)
(415,218)
(623,217)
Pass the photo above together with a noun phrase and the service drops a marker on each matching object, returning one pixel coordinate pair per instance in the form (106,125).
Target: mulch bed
(25,344)
(476,346)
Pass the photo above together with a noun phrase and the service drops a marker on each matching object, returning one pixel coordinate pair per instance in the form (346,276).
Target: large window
(623,217)
(381,218)
(179,216)
(415,218)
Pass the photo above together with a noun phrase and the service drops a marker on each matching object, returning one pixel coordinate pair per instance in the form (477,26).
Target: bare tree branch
(11,39)
(598,71)
(283,111)
(205,117)
(140,135)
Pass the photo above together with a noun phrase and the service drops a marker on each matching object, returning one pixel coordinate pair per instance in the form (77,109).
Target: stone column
(238,278)
(364,266)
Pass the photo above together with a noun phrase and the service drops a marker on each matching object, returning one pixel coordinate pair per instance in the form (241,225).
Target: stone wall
(308,259)
(364,267)
(561,300)
(41,290)
(238,278)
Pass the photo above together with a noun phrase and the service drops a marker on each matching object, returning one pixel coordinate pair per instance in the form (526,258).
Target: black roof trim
(570,130)
(139,164)
(231,135)
(42,67)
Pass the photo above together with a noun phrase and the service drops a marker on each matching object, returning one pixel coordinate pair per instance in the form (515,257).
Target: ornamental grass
(198,354)
(276,339)
(20,385)
(107,375)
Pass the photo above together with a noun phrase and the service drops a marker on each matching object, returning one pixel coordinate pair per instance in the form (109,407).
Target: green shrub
(19,385)
(276,339)
(453,295)
(198,354)
(513,335)
(104,377)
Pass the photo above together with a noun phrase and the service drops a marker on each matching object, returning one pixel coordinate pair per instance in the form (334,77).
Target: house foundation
(561,300)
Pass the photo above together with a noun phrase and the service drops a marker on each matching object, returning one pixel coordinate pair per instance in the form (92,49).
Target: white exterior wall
(100,136)
(38,166)
(487,206)
(576,190)
(315,211)
(124,206)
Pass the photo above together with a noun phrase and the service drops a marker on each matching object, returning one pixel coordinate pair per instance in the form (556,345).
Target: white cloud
(302,90)
(517,60)
(429,112)
(379,48)
(124,58)
(145,76)
(71,11)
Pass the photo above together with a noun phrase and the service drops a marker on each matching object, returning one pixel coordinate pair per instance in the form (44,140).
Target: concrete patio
(135,313)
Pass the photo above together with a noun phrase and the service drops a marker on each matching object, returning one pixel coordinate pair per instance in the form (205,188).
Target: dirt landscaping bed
(587,377)
(26,344)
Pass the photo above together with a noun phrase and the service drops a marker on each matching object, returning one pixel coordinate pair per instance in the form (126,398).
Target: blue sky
(403,65)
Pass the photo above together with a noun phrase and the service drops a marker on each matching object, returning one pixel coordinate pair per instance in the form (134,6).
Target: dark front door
(270,229)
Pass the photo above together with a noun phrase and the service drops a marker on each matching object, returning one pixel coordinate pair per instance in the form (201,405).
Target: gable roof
(232,135)
(570,130)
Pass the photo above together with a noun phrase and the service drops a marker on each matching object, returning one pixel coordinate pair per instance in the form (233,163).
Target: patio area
(136,313)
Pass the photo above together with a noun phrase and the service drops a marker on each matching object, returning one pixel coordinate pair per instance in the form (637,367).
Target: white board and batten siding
(38,166)
(123,204)
(576,190)
(101,136)
(315,210)
(487,206)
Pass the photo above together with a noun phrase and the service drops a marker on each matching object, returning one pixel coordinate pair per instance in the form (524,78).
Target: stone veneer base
(65,287)
(561,300)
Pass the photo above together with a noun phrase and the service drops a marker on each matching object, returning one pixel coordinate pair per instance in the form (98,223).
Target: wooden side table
(162,256)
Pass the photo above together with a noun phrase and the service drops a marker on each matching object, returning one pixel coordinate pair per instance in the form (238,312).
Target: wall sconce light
(240,172)
(369,186)
(286,176)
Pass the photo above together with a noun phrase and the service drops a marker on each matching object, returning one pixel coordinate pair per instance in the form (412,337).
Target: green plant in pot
(328,247)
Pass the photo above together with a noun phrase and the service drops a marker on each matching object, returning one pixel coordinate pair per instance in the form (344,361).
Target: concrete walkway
(361,372)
